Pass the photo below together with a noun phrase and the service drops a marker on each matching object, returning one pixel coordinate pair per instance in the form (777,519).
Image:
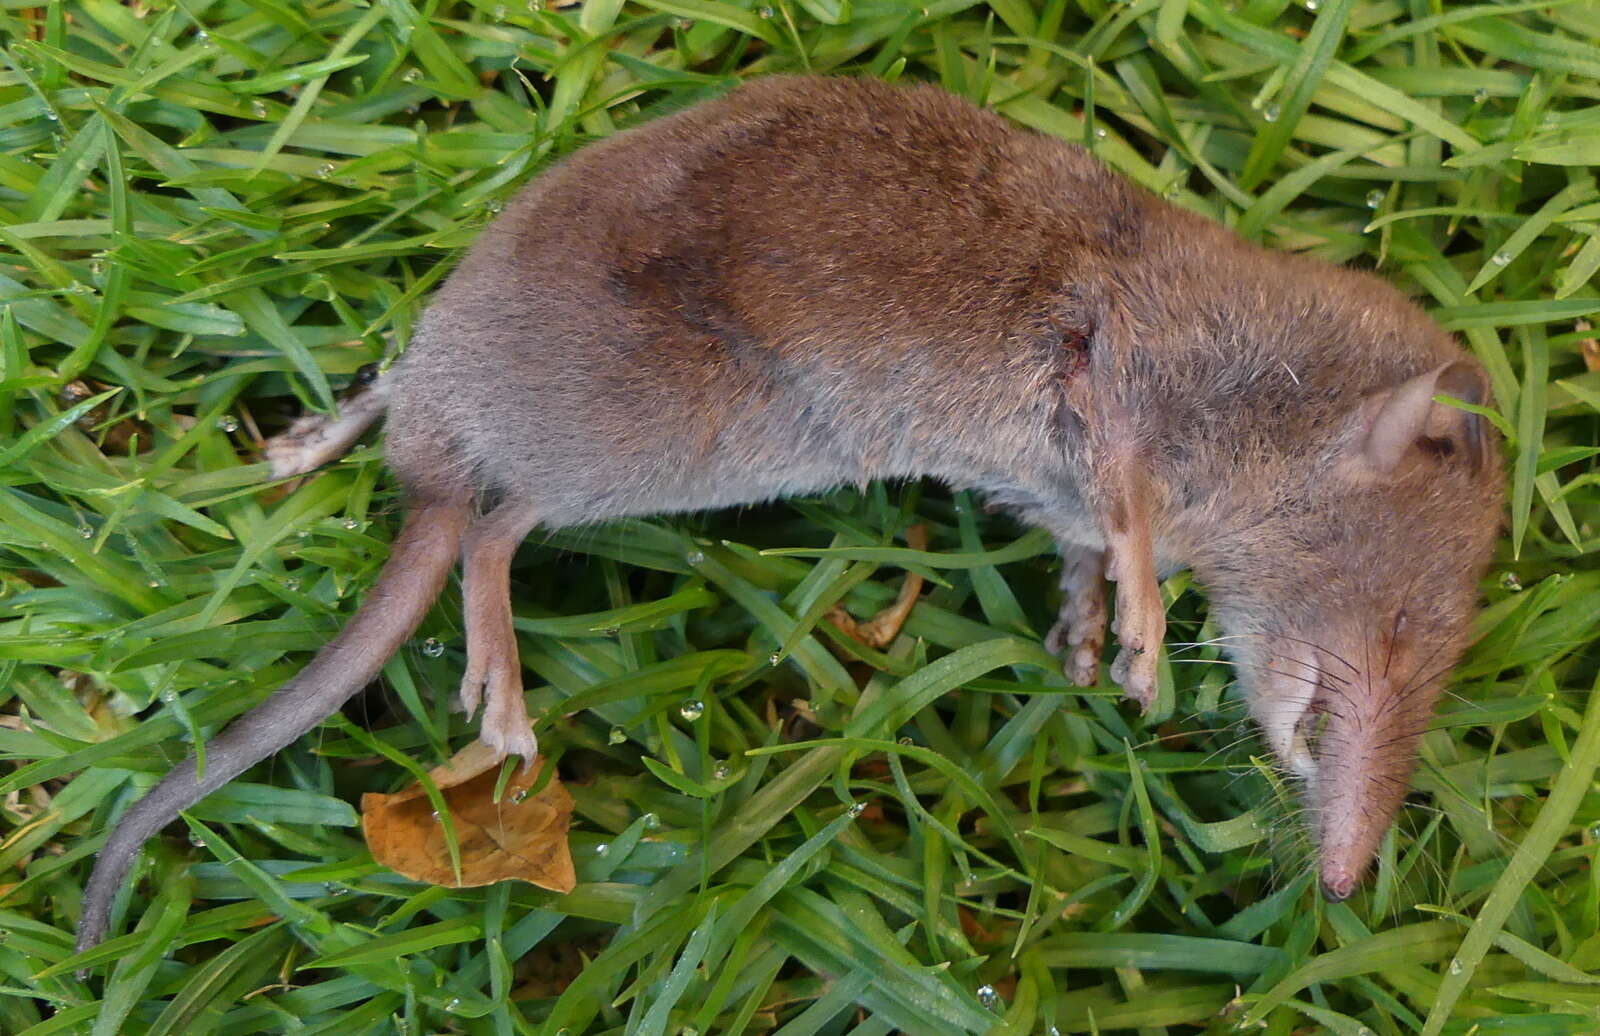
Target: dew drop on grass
(722,771)
(1480,95)
(493,206)
(602,849)
(617,736)
(988,997)
(1500,258)
(766,12)
(1509,581)
(325,170)
(411,75)
(228,423)
(454,1005)
(433,647)
(1099,133)
(692,709)
(351,524)
(856,809)
(168,695)
(906,741)
(694,557)
(1271,112)
(436,816)
(1374,199)
(195,839)
(651,821)
(86,531)
(1312,5)
(774,658)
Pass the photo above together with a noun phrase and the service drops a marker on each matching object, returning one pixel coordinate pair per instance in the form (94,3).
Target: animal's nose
(1337,885)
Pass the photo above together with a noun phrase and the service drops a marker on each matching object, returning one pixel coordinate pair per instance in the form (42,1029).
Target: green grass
(212,213)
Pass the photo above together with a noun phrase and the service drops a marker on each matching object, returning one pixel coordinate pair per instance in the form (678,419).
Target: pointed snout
(1338,882)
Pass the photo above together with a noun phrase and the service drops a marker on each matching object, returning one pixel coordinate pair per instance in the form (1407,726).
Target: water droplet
(1054,1031)
(325,170)
(79,288)
(454,1005)
(856,809)
(692,709)
(1500,258)
(1312,5)
(617,736)
(602,849)
(1509,581)
(203,36)
(493,206)
(433,647)
(86,531)
(351,524)
(1455,966)
(228,423)
(1374,199)
(50,114)
(436,816)
(258,109)
(411,75)
(1271,112)
(1594,831)
(766,12)
(152,584)
(688,1030)
(694,557)
(682,24)
(988,997)
(1480,95)
(1099,133)
(1364,1031)
(292,583)
(196,839)
(722,771)
(651,821)
(168,695)
(905,741)
(333,888)
(774,658)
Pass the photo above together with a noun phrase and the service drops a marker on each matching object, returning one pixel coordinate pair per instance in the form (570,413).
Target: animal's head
(1349,594)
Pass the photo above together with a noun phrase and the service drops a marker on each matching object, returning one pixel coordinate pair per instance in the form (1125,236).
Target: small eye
(367,374)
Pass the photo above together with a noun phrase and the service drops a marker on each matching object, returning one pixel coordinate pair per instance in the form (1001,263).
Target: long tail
(420,561)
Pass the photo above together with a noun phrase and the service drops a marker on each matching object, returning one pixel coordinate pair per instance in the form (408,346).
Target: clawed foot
(1079,636)
(315,439)
(879,631)
(505,727)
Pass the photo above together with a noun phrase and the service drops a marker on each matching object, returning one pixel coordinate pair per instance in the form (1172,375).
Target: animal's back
(703,300)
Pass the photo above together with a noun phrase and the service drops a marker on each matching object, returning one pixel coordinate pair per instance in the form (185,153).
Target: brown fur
(814,282)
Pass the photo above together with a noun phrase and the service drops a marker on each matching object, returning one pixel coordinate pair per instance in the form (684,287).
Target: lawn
(213,213)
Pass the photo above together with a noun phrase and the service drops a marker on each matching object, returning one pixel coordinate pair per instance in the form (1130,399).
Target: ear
(1394,422)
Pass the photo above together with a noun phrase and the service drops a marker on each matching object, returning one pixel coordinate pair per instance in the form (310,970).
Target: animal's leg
(315,439)
(493,668)
(1079,635)
(880,630)
(1141,618)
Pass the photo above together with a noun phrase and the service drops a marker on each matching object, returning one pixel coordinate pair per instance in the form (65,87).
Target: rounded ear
(1398,420)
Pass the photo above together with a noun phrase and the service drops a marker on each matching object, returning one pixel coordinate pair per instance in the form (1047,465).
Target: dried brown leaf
(522,836)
